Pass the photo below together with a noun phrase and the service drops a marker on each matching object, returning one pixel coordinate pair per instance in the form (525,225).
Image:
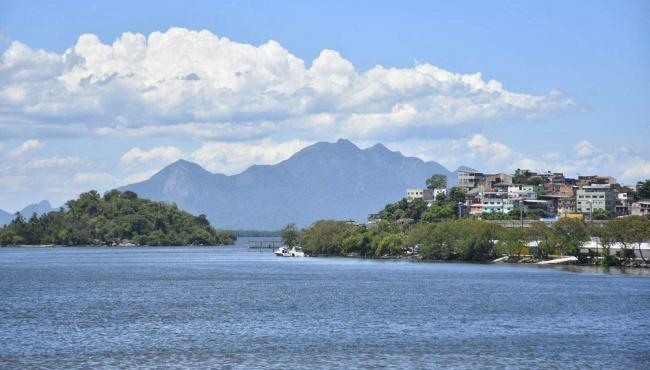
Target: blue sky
(570,88)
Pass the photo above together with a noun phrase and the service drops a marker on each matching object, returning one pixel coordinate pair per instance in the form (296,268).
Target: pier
(264,244)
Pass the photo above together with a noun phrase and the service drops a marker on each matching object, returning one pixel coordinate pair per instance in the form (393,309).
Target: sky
(94,95)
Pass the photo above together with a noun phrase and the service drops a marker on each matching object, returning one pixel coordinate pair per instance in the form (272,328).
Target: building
(491,202)
(622,205)
(417,193)
(521,192)
(640,208)
(566,205)
(595,197)
(493,181)
(437,192)
(595,180)
(470,179)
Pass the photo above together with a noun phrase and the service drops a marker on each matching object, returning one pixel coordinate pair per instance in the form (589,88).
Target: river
(227,307)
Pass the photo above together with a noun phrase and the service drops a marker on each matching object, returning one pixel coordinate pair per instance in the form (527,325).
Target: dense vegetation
(472,239)
(117,217)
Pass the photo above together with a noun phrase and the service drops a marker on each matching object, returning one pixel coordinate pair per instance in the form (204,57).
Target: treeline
(474,240)
(114,218)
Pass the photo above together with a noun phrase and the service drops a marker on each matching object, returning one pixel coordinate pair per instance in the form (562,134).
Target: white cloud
(53,162)
(98,179)
(234,157)
(26,146)
(13,182)
(584,148)
(636,168)
(489,151)
(182,77)
(161,155)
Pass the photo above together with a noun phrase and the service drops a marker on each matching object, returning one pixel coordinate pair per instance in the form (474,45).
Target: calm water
(230,308)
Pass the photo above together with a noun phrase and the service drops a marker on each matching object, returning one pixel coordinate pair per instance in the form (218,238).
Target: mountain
(322,181)
(39,208)
(5,217)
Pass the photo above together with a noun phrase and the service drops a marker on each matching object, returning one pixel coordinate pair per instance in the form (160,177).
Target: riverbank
(506,260)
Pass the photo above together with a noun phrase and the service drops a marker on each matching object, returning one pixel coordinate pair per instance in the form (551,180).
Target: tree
(628,232)
(540,233)
(570,234)
(643,189)
(600,214)
(437,182)
(325,237)
(511,241)
(456,195)
(95,220)
(437,212)
(290,235)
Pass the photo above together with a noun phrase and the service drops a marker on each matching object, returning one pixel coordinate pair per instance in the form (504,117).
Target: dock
(264,244)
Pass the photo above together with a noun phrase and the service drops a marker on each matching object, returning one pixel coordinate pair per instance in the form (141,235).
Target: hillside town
(550,195)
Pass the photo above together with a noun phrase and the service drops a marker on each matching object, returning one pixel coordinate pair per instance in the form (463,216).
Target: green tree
(629,232)
(570,235)
(511,241)
(325,237)
(92,220)
(290,235)
(437,182)
(457,195)
(541,234)
(600,214)
(643,189)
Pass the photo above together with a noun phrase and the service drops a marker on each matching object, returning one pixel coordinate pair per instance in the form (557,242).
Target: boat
(285,251)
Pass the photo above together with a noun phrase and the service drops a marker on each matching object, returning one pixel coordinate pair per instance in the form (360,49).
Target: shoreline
(524,262)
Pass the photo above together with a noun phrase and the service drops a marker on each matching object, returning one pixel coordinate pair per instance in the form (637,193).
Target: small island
(114,219)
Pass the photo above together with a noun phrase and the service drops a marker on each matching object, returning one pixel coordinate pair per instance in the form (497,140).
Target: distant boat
(284,251)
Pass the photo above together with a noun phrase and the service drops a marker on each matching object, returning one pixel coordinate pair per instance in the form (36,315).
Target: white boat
(286,252)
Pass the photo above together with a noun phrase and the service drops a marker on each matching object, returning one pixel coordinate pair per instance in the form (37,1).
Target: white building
(595,197)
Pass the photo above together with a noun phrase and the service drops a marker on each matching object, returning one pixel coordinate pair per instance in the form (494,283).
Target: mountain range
(322,181)
(39,208)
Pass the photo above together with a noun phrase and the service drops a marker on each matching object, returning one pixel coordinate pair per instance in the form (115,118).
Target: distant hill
(115,218)
(322,181)
(39,208)
(5,217)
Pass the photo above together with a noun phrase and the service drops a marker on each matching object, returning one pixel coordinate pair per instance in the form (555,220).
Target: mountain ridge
(324,180)
(39,208)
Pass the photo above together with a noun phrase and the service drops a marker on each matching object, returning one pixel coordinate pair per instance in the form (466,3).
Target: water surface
(226,307)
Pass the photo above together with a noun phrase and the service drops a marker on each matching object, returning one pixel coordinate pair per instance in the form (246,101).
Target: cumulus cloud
(490,151)
(53,162)
(161,155)
(106,180)
(181,77)
(234,157)
(584,148)
(26,146)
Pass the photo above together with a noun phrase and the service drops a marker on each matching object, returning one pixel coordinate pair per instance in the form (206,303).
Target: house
(374,218)
(417,193)
(437,192)
(640,208)
(491,202)
(520,192)
(490,181)
(594,197)
(470,179)
(595,180)
(622,205)
(566,205)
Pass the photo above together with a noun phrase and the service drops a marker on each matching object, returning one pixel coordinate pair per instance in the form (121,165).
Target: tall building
(594,197)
